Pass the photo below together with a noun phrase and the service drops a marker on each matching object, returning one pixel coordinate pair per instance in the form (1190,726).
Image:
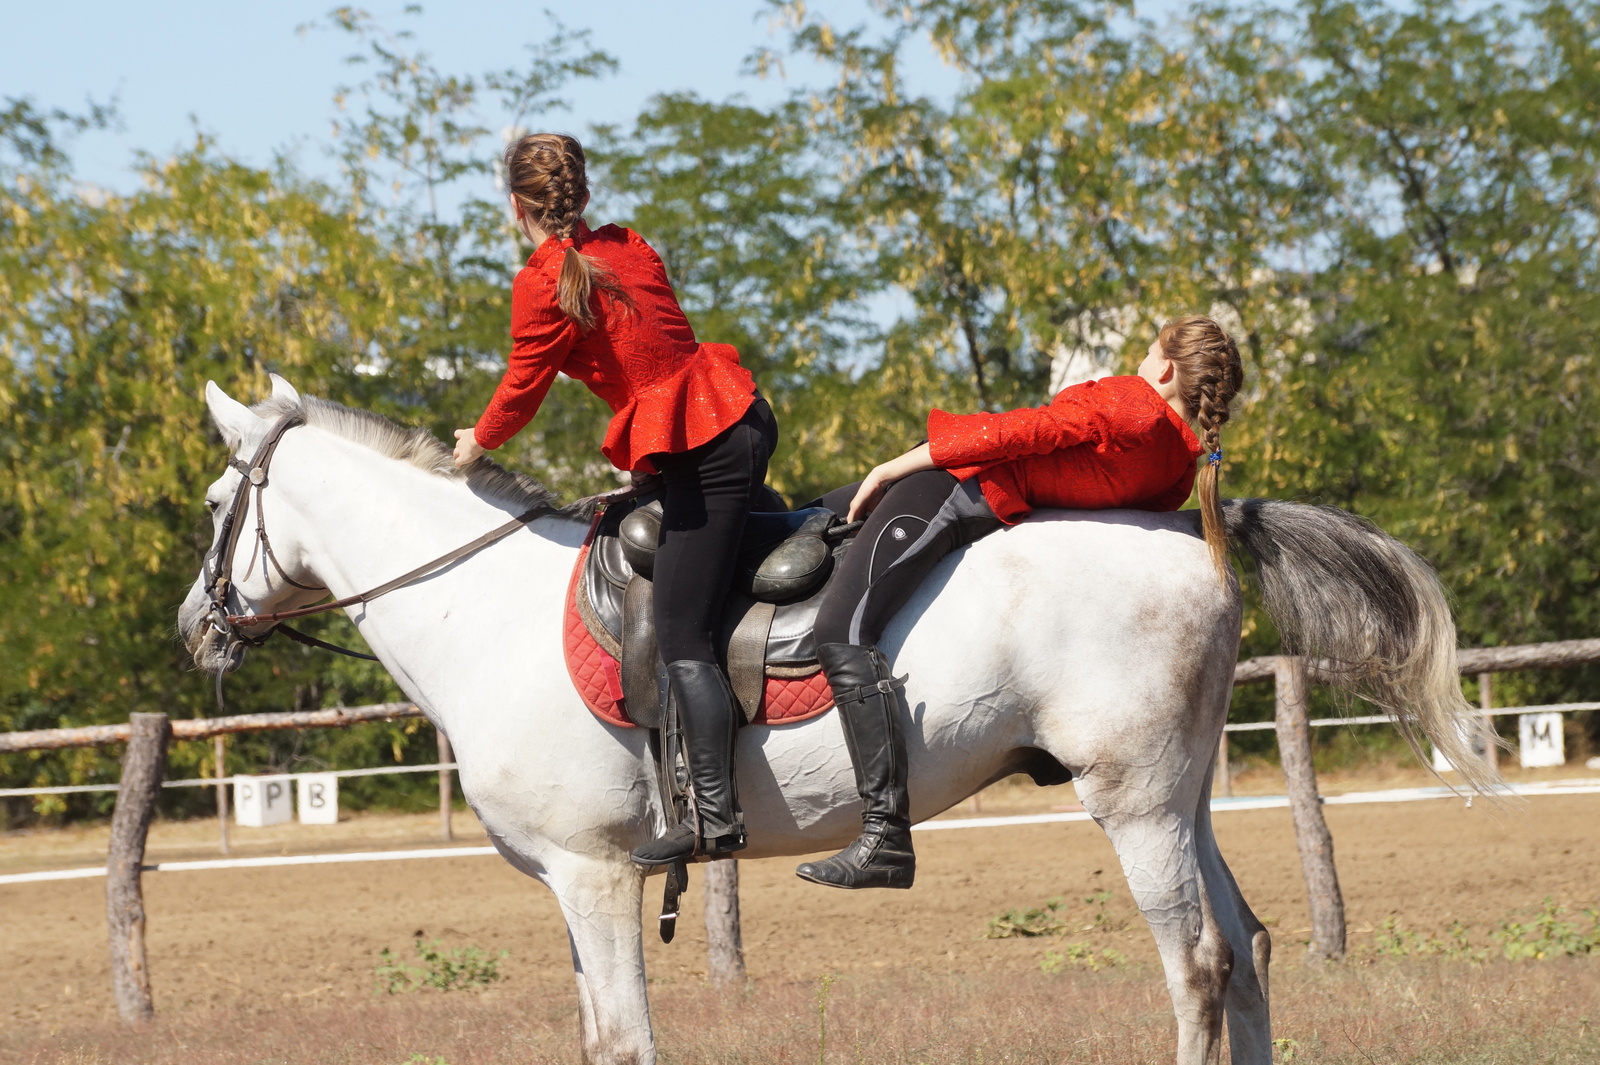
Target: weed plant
(456,969)
(1051,920)
(1549,935)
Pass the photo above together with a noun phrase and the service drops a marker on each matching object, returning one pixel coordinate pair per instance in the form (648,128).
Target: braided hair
(546,174)
(1210,374)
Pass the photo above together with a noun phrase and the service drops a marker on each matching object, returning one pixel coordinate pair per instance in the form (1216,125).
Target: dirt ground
(281,938)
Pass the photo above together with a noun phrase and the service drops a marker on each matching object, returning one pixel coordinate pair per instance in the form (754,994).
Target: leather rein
(218,566)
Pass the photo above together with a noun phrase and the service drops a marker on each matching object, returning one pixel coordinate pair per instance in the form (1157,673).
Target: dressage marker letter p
(261,801)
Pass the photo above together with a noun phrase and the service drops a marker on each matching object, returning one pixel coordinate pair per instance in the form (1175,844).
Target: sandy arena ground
(269,938)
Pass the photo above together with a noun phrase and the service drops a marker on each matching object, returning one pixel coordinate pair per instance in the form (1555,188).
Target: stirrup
(674,845)
(681,842)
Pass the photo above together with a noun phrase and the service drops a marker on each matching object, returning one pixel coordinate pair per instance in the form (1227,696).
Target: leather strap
(867,691)
(220,561)
(491,537)
(747,657)
(639,654)
(311,641)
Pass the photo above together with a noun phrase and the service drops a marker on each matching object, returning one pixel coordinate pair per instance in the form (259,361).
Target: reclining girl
(1119,442)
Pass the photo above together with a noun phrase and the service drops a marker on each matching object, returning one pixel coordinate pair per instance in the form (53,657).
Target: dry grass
(1352,1014)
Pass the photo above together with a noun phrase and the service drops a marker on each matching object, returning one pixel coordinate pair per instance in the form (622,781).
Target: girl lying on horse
(1115,442)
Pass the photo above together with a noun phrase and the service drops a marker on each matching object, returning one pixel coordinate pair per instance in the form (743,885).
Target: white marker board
(1539,736)
(261,801)
(317,797)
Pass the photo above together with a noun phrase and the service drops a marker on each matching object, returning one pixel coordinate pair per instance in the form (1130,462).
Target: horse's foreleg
(1157,851)
(600,899)
(1249,1012)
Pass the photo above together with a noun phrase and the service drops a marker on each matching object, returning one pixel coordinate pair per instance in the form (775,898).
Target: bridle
(218,565)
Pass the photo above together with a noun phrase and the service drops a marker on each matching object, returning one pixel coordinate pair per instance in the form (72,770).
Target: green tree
(1451,394)
(120,307)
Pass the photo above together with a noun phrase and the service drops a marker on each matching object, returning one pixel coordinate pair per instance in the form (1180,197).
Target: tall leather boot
(706,709)
(863,691)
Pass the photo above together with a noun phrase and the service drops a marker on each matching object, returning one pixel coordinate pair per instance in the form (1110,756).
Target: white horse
(1104,642)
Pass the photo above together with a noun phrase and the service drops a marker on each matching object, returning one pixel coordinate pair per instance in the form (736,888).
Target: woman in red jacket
(597,306)
(1116,442)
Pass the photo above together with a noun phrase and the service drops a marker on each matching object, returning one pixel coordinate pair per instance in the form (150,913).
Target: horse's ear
(233,419)
(283,390)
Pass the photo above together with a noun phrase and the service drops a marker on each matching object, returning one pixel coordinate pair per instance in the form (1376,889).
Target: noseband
(218,566)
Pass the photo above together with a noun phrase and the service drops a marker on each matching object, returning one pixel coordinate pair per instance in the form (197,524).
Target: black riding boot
(706,709)
(863,691)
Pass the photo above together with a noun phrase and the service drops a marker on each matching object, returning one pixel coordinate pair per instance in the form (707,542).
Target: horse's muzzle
(214,647)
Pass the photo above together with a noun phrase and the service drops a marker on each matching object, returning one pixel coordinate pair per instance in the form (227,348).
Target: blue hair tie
(1215,458)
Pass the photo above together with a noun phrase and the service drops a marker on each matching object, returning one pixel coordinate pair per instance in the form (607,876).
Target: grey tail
(1374,616)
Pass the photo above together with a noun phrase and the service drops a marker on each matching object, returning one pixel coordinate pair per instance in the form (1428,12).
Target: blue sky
(244,75)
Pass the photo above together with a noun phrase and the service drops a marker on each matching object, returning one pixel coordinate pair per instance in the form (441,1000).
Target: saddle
(782,572)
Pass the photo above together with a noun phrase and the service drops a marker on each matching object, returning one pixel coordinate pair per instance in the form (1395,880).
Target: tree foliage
(1396,209)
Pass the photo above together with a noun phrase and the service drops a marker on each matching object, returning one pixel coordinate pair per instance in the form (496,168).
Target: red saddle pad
(598,678)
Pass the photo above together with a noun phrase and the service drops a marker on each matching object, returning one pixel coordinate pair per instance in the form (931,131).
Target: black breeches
(708,491)
(921,519)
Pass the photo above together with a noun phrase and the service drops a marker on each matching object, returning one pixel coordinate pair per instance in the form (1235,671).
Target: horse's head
(241,574)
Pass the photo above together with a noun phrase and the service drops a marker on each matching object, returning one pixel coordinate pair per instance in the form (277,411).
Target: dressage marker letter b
(317,796)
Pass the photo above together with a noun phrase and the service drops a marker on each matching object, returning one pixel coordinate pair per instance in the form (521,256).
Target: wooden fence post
(219,751)
(143,765)
(1305,805)
(1491,738)
(1222,779)
(446,799)
(724,943)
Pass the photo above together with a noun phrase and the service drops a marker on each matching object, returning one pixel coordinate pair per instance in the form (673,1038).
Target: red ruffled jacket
(667,391)
(1102,444)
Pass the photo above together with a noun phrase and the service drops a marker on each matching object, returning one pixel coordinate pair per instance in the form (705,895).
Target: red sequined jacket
(1108,443)
(667,391)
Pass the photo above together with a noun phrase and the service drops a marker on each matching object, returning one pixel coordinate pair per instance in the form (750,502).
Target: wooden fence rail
(205,727)
(1250,671)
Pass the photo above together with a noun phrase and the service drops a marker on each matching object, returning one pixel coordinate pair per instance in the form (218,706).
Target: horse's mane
(421,449)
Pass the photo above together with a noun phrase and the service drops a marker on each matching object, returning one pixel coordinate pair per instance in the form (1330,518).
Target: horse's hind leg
(1157,849)
(1248,1008)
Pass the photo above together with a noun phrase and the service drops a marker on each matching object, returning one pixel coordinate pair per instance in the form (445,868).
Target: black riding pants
(921,519)
(708,491)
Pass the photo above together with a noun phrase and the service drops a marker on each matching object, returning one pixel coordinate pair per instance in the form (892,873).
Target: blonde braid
(1210,374)
(547,174)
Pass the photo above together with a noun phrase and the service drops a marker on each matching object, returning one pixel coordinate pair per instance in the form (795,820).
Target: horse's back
(1088,621)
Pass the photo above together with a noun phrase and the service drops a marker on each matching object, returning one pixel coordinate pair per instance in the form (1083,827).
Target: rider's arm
(1090,413)
(873,485)
(542,335)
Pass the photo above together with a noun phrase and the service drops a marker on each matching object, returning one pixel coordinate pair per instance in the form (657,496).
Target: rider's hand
(869,494)
(468,450)
(882,477)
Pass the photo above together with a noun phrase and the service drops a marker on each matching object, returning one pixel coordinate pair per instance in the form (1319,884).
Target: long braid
(547,173)
(1210,374)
